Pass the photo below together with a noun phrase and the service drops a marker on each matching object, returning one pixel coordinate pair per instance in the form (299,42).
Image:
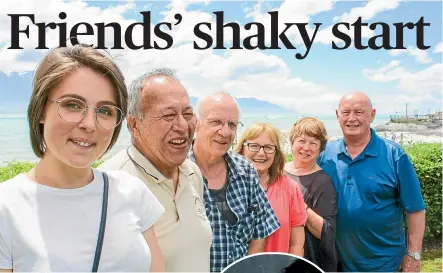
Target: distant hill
(255,106)
(252,106)
(16,90)
(16,102)
(248,106)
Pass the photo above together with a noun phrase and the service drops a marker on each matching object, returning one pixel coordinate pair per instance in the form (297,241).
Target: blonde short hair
(312,127)
(57,65)
(276,169)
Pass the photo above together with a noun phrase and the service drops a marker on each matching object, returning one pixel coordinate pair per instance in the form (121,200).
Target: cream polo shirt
(184,232)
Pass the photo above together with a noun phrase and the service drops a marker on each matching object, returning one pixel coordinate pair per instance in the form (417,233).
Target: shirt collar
(371,149)
(233,166)
(151,170)
(229,157)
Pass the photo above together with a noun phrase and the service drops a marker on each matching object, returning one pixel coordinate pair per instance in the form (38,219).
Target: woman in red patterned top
(261,145)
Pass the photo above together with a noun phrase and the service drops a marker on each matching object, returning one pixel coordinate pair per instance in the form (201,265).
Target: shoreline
(401,137)
(428,128)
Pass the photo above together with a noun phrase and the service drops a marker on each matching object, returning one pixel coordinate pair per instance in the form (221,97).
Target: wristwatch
(414,255)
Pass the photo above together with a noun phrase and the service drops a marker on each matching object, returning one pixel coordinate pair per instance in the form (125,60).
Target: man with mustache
(162,124)
(237,207)
(375,183)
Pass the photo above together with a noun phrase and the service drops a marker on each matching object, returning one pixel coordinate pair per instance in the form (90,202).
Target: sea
(15,143)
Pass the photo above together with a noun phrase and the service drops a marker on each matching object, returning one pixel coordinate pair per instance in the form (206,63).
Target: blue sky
(310,86)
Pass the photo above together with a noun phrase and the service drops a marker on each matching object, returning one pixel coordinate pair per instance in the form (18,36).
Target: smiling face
(165,133)
(77,144)
(218,126)
(264,157)
(305,149)
(355,115)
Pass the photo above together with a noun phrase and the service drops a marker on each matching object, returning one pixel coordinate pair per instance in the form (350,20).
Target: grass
(15,167)
(432,261)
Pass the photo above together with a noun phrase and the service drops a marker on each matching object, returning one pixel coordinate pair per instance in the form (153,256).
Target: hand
(409,264)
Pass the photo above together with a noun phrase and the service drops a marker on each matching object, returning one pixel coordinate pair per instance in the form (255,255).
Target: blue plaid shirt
(248,201)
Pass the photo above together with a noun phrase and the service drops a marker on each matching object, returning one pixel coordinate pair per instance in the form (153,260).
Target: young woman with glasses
(63,215)
(260,143)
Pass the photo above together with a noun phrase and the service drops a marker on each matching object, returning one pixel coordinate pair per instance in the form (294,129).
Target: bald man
(375,183)
(237,207)
(162,124)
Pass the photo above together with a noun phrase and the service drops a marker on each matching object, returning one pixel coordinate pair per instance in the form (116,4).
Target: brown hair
(276,169)
(312,127)
(57,65)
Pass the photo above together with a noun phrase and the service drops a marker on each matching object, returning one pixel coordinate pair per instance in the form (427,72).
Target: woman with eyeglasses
(63,215)
(308,138)
(260,143)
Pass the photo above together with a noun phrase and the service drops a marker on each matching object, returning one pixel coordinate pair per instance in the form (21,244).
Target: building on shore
(435,118)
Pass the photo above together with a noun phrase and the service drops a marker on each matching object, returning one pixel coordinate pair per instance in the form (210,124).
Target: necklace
(267,185)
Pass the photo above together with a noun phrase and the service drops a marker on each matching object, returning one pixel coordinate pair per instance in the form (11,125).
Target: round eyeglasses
(73,110)
(255,147)
(219,124)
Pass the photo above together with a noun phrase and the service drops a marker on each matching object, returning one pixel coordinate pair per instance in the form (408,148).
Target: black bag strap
(101,233)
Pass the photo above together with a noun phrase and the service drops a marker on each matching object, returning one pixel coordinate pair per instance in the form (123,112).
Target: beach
(15,143)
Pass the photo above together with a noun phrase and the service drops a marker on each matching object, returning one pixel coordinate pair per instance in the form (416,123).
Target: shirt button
(230,256)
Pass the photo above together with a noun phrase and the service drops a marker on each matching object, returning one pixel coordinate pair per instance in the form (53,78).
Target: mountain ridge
(249,106)
(253,106)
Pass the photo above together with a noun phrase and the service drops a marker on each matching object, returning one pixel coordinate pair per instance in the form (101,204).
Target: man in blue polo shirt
(375,183)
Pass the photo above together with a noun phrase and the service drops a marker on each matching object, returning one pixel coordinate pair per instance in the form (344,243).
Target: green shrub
(427,161)
(289,158)
(16,167)
(13,168)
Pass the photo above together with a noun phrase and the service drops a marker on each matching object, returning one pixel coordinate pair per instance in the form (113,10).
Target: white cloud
(396,52)
(184,32)
(183,4)
(438,48)
(388,103)
(290,12)
(393,63)
(242,73)
(147,6)
(282,89)
(366,12)
(420,55)
(384,74)
(423,82)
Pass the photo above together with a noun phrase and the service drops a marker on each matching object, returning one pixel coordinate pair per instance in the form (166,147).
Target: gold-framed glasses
(73,110)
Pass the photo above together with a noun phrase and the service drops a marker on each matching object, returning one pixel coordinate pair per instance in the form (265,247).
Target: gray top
(219,196)
(320,196)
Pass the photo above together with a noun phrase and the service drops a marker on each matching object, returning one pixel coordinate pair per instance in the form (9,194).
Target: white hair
(136,88)
(200,106)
